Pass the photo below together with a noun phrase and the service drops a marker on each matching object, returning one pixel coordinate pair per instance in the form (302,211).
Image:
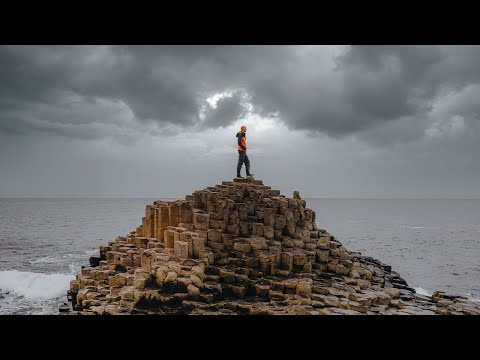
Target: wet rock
(393,293)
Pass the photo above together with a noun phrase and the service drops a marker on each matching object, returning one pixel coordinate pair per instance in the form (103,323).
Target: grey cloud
(373,85)
(379,93)
(399,90)
(228,109)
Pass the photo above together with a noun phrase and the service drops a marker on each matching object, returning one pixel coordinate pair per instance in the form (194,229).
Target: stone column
(174,214)
(201,220)
(144,226)
(198,244)
(269,217)
(242,211)
(149,221)
(168,239)
(163,221)
(186,213)
(181,249)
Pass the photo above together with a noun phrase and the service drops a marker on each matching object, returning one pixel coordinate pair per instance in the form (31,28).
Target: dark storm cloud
(372,91)
(367,86)
(228,109)
(366,90)
(160,84)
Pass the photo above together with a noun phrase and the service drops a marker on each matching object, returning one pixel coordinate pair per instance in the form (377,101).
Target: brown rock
(342,270)
(262,290)
(171,278)
(383,299)
(250,261)
(233,229)
(112,298)
(140,283)
(244,228)
(214,235)
(201,221)
(269,217)
(241,279)
(330,300)
(168,238)
(286,261)
(258,243)
(216,246)
(213,287)
(323,243)
(299,259)
(257,229)
(304,288)
(356,306)
(337,292)
(182,283)
(199,271)
(280,222)
(268,232)
(393,293)
(181,249)
(452,307)
(197,281)
(239,291)
(126,293)
(344,311)
(193,291)
(216,224)
(444,302)
(174,266)
(206,254)
(243,247)
(363,284)
(227,276)
(349,280)
(470,310)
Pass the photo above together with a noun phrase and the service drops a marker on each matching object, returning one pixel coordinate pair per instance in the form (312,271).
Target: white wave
(471,298)
(421,291)
(92,252)
(74,268)
(35,285)
(57,259)
(46,259)
(417,227)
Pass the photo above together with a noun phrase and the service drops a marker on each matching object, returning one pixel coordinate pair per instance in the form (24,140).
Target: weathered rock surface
(243,248)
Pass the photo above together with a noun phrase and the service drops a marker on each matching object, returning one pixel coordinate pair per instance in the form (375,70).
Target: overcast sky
(160,121)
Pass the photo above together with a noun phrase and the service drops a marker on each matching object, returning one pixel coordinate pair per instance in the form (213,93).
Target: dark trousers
(243,158)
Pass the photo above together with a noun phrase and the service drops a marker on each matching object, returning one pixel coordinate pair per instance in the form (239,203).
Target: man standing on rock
(242,152)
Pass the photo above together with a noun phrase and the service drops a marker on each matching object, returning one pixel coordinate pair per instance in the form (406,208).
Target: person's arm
(240,142)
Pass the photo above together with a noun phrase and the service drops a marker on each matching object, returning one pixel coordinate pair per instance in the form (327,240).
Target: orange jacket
(242,141)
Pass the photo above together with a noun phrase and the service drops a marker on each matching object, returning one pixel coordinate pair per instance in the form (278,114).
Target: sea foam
(422,291)
(33,285)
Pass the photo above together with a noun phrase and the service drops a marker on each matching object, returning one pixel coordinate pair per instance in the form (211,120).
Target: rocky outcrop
(243,248)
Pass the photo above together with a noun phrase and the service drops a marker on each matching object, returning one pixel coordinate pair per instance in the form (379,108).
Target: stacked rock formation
(243,248)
